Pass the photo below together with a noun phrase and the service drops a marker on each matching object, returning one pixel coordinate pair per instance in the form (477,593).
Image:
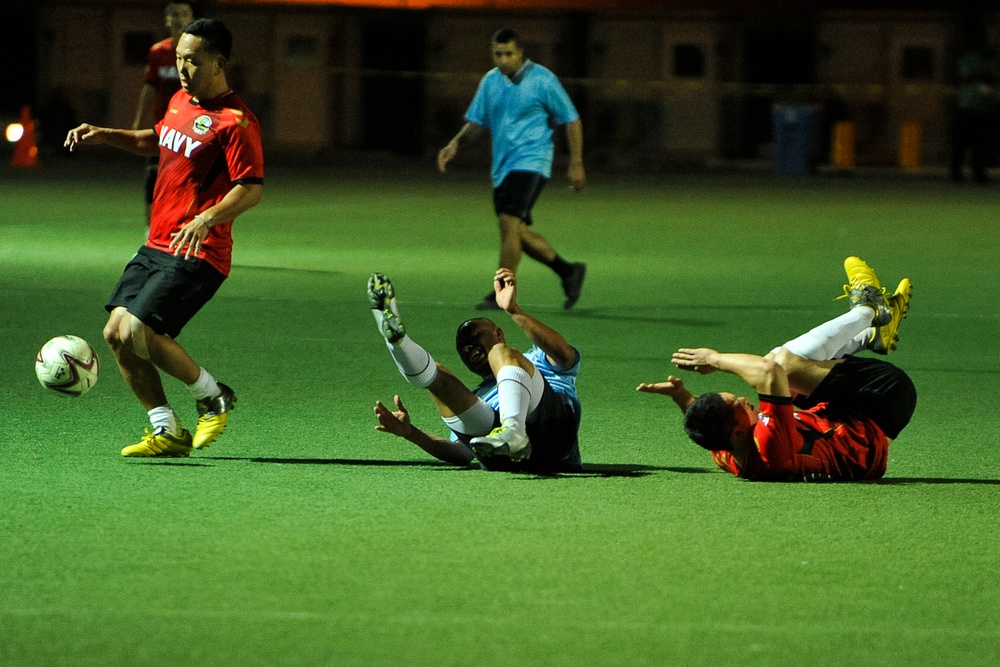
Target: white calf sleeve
(414,362)
(477,420)
(519,393)
(834,339)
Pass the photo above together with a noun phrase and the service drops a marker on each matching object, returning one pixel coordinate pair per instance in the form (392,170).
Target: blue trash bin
(794,127)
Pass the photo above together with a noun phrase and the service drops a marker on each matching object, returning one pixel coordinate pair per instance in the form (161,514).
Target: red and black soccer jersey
(205,149)
(810,445)
(161,74)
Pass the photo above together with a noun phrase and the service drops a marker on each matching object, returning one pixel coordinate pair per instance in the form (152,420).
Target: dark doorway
(392,92)
(18,51)
(774,54)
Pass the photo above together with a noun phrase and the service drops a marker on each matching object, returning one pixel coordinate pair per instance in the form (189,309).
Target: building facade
(655,88)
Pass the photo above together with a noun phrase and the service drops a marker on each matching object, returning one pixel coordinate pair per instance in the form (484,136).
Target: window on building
(918,63)
(135,47)
(689,61)
(301,50)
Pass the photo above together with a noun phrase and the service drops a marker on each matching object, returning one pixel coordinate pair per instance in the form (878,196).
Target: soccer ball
(67,365)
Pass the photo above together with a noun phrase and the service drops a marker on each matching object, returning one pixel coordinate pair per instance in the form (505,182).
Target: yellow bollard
(909,145)
(842,150)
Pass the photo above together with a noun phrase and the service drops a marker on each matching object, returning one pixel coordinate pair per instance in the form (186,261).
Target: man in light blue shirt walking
(519,102)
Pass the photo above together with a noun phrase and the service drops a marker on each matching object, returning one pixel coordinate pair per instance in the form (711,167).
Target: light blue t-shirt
(563,382)
(520,117)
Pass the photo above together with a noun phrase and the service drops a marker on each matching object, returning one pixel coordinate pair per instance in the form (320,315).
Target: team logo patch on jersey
(202,124)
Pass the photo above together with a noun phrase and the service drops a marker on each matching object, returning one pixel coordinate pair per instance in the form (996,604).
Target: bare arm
(763,374)
(469,132)
(145,97)
(239,199)
(576,174)
(397,422)
(141,142)
(551,342)
(673,387)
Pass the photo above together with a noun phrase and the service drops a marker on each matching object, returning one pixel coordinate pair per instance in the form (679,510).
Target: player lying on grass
(851,408)
(523,416)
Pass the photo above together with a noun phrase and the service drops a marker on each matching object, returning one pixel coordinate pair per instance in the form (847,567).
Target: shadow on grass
(338,462)
(589,469)
(620,470)
(901,481)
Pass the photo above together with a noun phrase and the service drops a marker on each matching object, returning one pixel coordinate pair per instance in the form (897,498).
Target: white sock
(164,416)
(414,362)
(834,339)
(477,420)
(205,386)
(519,394)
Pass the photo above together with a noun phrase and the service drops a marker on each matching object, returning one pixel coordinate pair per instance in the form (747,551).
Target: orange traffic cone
(26,152)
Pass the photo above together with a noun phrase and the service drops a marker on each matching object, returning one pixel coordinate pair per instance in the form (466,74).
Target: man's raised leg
(451,397)
(414,362)
(872,322)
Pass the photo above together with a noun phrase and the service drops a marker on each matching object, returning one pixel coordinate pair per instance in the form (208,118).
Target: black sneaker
(489,302)
(573,284)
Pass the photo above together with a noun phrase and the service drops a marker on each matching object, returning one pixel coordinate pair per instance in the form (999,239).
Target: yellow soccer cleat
(160,443)
(212,416)
(887,336)
(864,289)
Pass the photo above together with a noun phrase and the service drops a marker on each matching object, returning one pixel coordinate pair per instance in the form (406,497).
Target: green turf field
(304,537)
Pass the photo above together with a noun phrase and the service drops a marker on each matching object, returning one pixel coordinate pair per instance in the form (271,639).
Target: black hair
(467,330)
(709,421)
(505,35)
(216,36)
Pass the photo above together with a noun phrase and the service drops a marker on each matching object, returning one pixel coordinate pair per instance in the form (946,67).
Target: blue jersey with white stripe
(520,117)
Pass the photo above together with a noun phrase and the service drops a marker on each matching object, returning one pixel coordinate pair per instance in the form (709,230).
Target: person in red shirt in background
(161,81)
(850,408)
(211,171)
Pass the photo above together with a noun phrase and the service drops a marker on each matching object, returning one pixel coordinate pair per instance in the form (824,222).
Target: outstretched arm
(761,373)
(551,342)
(397,422)
(142,142)
(469,132)
(673,387)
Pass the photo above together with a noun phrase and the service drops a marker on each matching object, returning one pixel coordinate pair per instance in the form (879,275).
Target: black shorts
(149,183)
(164,291)
(866,387)
(517,194)
(553,430)
(555,427)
